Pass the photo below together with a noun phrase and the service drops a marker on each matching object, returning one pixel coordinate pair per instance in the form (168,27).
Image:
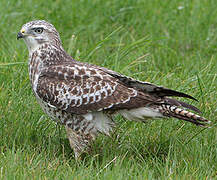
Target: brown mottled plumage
(82,96)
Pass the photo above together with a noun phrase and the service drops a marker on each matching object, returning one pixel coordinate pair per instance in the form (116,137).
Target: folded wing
(78,89)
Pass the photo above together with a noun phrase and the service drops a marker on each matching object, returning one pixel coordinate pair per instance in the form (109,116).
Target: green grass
(156,41)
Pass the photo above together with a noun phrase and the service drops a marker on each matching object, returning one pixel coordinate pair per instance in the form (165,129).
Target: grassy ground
(170,43)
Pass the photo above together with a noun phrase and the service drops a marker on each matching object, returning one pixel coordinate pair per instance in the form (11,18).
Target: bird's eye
(39,30)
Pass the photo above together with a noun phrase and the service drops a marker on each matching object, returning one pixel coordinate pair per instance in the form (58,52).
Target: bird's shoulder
(74,70)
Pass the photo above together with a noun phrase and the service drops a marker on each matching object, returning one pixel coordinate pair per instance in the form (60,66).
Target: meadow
(169,43)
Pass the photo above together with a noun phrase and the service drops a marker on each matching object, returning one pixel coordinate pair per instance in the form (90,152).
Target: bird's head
(38,32)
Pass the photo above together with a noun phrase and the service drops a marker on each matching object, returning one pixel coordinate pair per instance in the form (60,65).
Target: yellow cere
(22,31)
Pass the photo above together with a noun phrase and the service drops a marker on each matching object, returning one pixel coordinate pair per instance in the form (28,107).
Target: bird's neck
(44,56)
(48,54)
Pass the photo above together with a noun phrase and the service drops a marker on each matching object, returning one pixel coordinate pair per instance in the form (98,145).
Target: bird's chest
(35,66)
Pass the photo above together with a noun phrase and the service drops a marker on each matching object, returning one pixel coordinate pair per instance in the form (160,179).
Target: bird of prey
(84,97)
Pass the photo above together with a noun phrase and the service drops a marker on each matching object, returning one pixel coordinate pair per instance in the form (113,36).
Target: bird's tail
(176,112)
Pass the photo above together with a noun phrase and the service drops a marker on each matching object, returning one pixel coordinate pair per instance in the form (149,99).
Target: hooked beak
(20,35)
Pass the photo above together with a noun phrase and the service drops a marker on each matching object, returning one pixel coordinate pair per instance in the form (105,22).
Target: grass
(170,43)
